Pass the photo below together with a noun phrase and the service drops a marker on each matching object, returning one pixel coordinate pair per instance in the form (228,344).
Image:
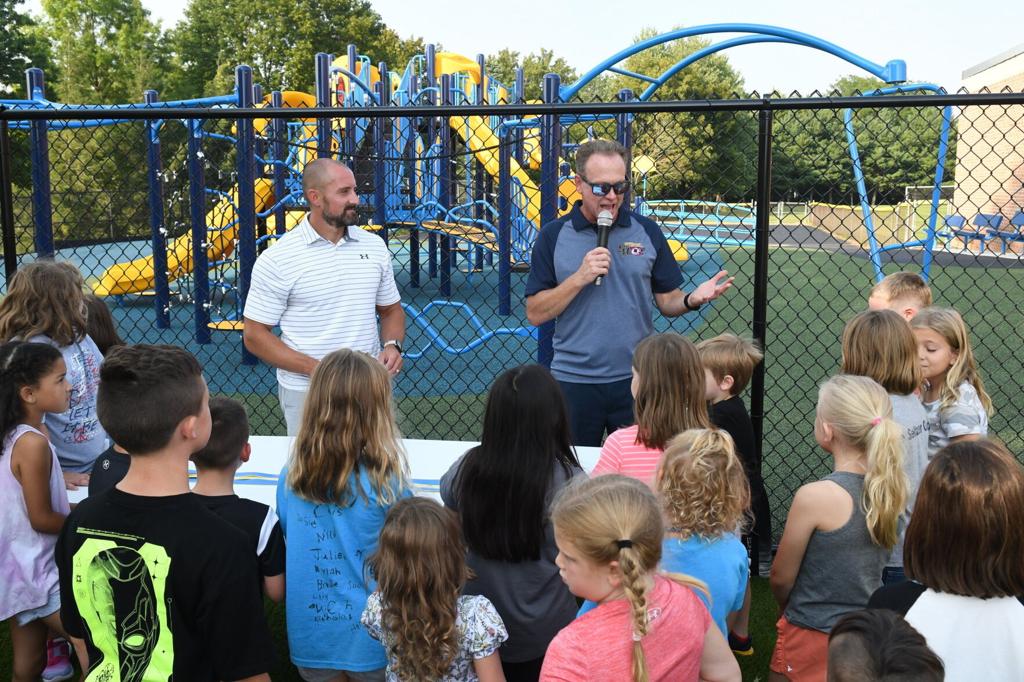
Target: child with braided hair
(609,533)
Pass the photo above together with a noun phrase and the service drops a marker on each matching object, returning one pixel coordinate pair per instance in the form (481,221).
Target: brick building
(990,147)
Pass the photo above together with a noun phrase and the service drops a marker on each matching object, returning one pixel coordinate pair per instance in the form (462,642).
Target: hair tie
(876,421)
(624,544)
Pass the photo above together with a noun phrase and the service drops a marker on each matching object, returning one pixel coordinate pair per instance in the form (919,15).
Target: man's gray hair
(606,147)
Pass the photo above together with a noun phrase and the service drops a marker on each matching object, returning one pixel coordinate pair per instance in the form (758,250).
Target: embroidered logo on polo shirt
(631,249)
(364,256)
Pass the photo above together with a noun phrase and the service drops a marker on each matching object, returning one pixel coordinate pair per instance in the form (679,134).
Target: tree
(21,46)
(279,39)
(898,147)
(107,51)
(502,67)
(697,155)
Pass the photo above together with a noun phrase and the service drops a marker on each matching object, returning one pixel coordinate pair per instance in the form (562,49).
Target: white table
(428,461)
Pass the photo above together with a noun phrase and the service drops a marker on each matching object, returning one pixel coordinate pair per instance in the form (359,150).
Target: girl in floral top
(427,629)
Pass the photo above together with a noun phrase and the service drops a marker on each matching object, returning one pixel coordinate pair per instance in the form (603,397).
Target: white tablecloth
(428,461)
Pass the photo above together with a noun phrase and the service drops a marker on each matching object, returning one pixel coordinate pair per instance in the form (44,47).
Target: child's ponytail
(860,412)
(885,484)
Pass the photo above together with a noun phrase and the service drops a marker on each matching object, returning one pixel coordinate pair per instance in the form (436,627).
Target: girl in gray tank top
(840,530)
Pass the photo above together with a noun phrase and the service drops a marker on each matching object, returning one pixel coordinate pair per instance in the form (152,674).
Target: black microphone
(604,225)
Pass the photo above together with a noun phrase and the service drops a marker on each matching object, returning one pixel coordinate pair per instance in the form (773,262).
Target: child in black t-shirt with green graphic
(729,362)
(216,465)
(158,586)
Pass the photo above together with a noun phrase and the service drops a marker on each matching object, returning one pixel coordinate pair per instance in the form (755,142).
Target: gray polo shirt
(596,334)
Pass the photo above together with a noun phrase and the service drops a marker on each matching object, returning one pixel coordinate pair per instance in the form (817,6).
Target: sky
(938,39)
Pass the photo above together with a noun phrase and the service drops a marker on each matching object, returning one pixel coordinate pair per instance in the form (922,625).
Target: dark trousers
(596,408)
(759,536)
(525,671)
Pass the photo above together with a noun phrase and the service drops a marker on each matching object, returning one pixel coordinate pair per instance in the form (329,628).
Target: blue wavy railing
(435,340)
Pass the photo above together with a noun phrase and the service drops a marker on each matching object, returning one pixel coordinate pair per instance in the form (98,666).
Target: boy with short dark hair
(903,292)
(216,465)
(729,363)
(878,645)
(158,586)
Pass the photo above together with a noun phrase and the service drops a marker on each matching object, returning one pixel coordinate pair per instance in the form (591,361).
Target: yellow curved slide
(137,276)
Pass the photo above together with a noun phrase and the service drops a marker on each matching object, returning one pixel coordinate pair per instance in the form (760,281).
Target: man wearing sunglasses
(597,327)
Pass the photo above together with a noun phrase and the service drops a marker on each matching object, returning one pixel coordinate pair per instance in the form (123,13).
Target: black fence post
(7,202)
(765,119)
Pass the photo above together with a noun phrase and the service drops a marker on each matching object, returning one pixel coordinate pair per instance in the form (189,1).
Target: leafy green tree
(279,39)
(696,155)
(106,51)
(502,66)
(898,147)
(21,46)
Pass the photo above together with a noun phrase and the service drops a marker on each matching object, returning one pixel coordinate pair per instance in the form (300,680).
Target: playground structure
(432,176)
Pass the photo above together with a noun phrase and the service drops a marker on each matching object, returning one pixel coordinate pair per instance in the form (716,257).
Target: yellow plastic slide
(483,142)
(137,276)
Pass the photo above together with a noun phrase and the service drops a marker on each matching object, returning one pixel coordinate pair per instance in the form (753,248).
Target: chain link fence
(164,211)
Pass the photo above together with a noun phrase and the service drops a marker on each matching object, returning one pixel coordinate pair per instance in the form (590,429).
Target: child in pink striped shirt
(668,398)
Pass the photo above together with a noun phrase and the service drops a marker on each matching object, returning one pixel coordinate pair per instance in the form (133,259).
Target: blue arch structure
(894,72)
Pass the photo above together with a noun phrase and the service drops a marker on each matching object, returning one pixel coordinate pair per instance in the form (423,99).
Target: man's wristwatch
(686,302)
(394,342)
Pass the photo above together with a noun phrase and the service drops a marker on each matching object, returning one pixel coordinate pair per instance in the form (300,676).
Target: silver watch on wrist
(394,342)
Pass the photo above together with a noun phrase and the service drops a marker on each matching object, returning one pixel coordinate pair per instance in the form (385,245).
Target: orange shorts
(800,654)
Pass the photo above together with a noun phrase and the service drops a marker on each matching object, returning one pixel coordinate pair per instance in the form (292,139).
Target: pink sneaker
(58,661)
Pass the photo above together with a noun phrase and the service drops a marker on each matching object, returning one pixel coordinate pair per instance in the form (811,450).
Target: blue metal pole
(379,165)
(245,148)
(162,300)
(519,98)
(410,152)
(323,99)
(351,136)
(279,133)
(480,93)
(624,132)
(42,204)
(197,212)
(445,192)
(940,171)
(551,145)
(505,224)
(431,65)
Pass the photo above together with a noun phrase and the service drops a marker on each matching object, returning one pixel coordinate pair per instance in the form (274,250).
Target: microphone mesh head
(604,218)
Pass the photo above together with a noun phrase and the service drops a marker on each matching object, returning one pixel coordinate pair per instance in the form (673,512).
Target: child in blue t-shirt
(705,494)
(347,468)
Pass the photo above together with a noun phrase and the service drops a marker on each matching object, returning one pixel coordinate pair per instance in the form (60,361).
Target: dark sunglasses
(601,189)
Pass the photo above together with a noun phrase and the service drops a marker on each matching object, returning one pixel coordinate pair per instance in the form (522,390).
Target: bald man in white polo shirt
(324,284)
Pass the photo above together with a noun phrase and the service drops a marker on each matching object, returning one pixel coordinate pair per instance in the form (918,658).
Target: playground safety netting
(164,215)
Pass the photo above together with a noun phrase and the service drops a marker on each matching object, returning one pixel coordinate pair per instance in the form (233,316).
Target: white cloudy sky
(938,39)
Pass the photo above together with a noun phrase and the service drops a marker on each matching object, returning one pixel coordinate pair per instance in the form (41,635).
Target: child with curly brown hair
(428,630)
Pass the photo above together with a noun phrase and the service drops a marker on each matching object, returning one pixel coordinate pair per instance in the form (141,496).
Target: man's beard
(343,220)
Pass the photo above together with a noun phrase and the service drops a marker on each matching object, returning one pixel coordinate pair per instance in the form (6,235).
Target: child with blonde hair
(705,496)
(609,532)
(428,630)
(953,395)
(668,398)
(880,345)
(904,293)
(346,470)
(840,530)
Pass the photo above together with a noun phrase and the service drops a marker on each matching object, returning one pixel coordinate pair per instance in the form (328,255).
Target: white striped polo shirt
(322,295)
